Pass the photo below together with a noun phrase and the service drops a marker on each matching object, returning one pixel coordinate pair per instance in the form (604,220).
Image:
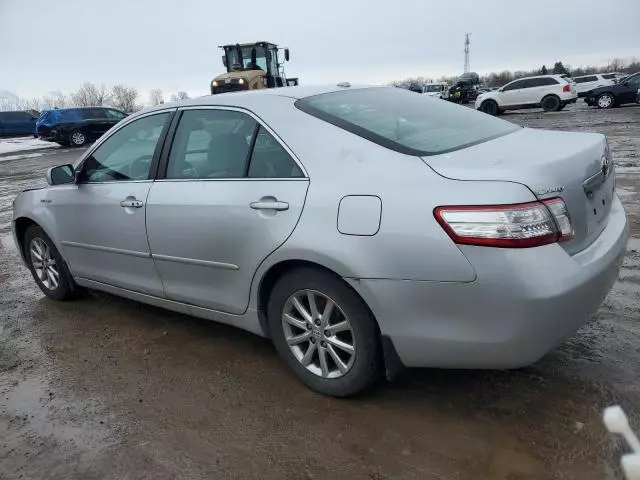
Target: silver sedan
(361,229)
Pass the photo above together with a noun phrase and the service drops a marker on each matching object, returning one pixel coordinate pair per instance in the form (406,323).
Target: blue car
(17,124)
(76,126)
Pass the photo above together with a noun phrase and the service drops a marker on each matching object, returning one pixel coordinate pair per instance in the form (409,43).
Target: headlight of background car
(214,84)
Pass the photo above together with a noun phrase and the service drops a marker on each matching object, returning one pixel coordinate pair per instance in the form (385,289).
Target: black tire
(551,103)
(605,100)
(77,138)
(490,107)
(66,287)
(366,368)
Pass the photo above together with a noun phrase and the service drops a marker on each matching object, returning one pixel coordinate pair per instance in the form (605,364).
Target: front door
(630,92)
(512,94)
(232,194)
(101,218)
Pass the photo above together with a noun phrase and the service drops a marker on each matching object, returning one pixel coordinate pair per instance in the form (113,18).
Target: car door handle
(131,203)
(269,205)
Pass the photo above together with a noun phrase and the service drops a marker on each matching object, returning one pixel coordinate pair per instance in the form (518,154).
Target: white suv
(551,92)
(589,82)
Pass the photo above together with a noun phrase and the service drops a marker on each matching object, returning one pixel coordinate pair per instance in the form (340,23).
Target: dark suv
(625,91)
(16,124)
(76,126)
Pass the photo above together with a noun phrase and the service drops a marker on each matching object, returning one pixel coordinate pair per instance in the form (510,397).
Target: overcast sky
(48,45)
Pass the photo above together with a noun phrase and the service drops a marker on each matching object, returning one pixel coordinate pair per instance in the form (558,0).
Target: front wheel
(490,107)
(324,332)
(46,265)
(605,100)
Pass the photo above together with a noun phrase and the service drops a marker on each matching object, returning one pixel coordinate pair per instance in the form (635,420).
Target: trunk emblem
(606,166)
(548,190)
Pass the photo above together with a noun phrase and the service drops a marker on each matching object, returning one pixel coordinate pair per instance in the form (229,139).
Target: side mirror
(286,54)
(224,60)
(60,175)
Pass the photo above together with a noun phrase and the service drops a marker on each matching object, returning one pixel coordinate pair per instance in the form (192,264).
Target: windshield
(433,88)
(402,121)
(234,63)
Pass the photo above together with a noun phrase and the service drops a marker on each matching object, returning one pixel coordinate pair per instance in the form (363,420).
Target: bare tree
(90,95)
(155,97)
(124,98)
(59,99)
(179,96)
(7,104)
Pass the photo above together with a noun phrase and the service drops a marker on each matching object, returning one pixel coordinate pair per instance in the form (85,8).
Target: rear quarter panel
(410,244)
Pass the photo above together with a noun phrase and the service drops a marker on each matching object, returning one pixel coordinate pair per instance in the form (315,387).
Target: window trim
(161,174)
(153,168)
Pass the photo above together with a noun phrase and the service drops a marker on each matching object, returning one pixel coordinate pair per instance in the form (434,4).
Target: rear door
(96,122)
(231,195)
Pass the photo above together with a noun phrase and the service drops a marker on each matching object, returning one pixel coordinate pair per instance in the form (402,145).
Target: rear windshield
(405,122)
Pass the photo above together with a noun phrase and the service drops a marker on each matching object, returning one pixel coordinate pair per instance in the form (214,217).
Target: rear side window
(609,76)
(114,114)
(402,121)
(270,160)
(544,81)
(93,113)
(590,78)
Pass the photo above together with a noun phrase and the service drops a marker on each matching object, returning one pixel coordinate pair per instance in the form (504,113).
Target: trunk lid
(568,165)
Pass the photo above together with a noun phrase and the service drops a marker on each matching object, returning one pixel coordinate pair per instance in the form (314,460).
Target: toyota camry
(362,229)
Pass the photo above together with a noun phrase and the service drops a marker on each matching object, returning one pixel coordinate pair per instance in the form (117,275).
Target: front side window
(127,154)
(514,85)
(211,144)
(402,121)
(635,81)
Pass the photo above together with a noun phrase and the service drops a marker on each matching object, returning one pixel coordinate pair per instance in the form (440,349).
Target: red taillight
(509,226)
(566,88)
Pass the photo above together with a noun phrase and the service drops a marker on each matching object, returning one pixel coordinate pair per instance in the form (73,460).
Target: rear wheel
(551,103)
(77,138)
(490,107)
(606,100)
(47,266)
(324,332)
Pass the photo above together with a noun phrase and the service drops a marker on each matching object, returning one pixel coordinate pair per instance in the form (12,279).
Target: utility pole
(467,42)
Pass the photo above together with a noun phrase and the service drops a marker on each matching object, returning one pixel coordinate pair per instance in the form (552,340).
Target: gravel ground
(108,388)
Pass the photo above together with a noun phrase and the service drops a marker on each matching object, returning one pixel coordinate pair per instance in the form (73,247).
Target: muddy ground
(108,388)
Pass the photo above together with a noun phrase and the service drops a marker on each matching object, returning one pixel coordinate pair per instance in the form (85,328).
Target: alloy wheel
(44,263)
(319,334)
(77,138)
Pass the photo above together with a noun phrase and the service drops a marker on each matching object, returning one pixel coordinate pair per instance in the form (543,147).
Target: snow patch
(17,157)
(10,145)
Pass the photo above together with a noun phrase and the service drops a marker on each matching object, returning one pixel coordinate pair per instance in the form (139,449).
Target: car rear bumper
(522,304)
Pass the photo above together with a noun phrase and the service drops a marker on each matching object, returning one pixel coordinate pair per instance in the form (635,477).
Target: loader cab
(257,64)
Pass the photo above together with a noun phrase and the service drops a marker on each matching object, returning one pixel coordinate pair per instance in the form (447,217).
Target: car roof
(248,98)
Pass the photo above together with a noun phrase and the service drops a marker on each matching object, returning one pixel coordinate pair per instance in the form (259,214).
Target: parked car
(615,76)
(361,229)
(625,91)
(17,124)
(437,90)
(589,82)
(550,92)
(76,126)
